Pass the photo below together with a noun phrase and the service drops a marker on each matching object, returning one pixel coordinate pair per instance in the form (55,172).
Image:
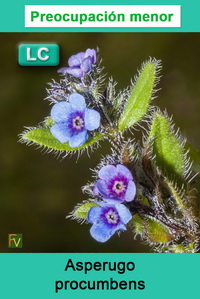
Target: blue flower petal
(78,139)
(121,169)
(95,190)
(86,65)
(130,192)
(102,187)
(107,172)
(92,119)
(60,111)
(75,60)
(74,71)
(93,214)
(101,232)
(112,200)
(62,70)
(60,132)
(92,54)
(102,204)
(77,102)
(124,213)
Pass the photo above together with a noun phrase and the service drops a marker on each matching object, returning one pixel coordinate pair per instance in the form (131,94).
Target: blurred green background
(38,190)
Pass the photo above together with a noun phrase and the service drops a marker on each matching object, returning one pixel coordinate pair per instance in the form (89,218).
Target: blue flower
(107,219)
(73,120)
(80,64)
(116,184)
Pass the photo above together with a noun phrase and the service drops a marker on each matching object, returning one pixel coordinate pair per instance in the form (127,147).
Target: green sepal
(82,210)
(42,136)
(168,151)
(140,96)
(49,122)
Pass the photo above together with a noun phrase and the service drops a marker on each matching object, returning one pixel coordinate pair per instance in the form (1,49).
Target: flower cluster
(115,186)
(74,121)
(80,64)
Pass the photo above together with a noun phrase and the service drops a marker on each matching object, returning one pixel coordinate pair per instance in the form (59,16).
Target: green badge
(38,55)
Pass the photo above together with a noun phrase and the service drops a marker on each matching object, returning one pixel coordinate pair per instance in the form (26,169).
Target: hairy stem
(158,214)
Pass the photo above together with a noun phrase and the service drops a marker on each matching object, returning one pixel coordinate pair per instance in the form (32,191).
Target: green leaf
(42,136)
(81,211)
(169,153)
(138,224)
(185,206)
(157,232)
(180,248)
(180,203)
(194,154)
(151,230)
(140,96)
(143,200)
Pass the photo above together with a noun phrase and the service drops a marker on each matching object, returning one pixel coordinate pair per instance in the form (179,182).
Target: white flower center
(112,217)
(78,122)
(118,186)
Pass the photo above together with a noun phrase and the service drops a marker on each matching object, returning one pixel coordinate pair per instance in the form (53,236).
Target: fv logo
(14,240)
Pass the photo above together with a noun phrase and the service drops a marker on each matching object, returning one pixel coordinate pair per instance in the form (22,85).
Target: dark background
(38,190)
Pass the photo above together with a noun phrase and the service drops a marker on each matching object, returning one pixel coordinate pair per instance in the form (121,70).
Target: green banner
(103,275)
(13,16)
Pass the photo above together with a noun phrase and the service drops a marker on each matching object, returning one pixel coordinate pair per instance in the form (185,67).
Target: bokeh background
(38,190)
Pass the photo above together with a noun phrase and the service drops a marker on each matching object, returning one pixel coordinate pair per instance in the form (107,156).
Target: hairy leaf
(194,154)
(153,231)
(157,232)
(180,248)
(138,224)
(181,205)
(169,153)
(184,206)
(140,96)
(82,210)
(42,136)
